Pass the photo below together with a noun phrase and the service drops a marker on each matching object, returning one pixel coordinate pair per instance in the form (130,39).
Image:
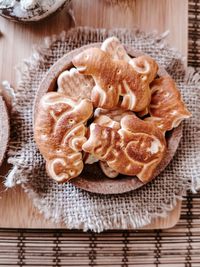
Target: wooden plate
(4,129)
(92,178)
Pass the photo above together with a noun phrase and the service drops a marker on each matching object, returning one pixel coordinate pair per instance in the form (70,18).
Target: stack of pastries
(111,109)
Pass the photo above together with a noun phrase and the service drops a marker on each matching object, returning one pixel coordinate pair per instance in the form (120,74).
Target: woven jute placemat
(80,209)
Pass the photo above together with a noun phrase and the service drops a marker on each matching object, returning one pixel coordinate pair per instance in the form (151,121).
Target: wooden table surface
(16,43)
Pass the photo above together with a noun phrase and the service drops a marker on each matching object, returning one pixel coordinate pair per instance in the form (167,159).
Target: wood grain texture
(16,210)
(148,15)
(14,214)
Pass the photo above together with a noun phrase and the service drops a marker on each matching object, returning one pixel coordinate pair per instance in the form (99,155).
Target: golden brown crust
(136,149)
(144,65)
(75,85)
(112,119)
(113,46)
(59,133)
(89,159)
(109,172)
(122,142)
(115,114)
(166,109)
(115,78)
(88,180)
(106,121)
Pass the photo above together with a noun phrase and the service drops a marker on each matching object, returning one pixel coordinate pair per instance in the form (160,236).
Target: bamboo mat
(177,247)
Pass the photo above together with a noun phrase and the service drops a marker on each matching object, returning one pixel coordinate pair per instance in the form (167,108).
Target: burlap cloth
(80,209)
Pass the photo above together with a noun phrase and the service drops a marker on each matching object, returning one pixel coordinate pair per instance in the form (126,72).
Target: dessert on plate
(110,109)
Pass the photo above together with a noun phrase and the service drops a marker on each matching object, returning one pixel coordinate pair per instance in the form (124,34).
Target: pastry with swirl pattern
(108,118)
(115,115)
(75,85)
(135,149)
(144,65)
(60,132)
(117,79)
(167,109)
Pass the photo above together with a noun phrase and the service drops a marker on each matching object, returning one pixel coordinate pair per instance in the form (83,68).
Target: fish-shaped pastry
(59,133)
(135,149)
(166,108)
(144,65)
(117,82)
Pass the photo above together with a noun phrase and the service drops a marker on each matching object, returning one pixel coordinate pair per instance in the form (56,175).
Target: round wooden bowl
(4,129)
(92,178)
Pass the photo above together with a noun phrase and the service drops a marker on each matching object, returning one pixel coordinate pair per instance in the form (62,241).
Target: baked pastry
(109,172)
(144,65)
(60,132)
(107,122)
(112,119)
(113,46)
(166,109)
(108,118)
(116,78)
(136,149)
(89,159)
(118,86)
(115,114)
(75,85)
